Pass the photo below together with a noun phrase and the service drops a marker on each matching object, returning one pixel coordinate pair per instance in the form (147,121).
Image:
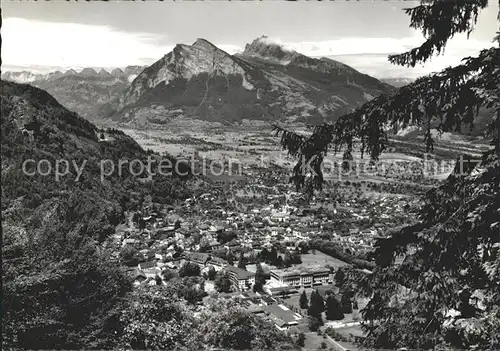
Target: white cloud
(27,42)
(230,49)
(369,55)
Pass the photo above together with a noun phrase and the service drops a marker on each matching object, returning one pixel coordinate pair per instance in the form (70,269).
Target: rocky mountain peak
(117,72)
(268,48)
(88,72)
(104,73)
(204,44)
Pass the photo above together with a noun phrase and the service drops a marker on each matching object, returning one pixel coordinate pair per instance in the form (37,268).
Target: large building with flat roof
(240,278)
(303,277)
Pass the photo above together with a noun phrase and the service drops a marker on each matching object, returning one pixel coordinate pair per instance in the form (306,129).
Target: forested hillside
(55,233)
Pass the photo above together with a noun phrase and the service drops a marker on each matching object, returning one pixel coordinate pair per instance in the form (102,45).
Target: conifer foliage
(446,291)
(451,98)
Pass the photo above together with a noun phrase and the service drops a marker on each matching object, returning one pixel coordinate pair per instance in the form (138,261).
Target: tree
(333,309)
(340,278)
(138,220)
(315,322)
(193,291)
(304,248)
(317,304)
(346,302)
(242,262)
(226,236)
(260,279)
(130,256)
(151,318)
(410,302)
(189,269)
(257,286)
(273,256)
(230,258)
(204,244)
(301,339)
(279,262)
(222,282)
(136,217)
(69,301)
(232,328)
(177,224)
(169,274)
(259,272)
(197,239)
(211,273)
(287,260)
(263,255)
(304,304)
(296,258)
(311,299)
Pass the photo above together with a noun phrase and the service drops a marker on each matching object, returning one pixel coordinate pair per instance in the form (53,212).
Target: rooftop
(240,273)
(281,313)
(146,265)
(197,256)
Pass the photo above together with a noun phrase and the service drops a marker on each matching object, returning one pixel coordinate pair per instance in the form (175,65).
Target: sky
(50,35)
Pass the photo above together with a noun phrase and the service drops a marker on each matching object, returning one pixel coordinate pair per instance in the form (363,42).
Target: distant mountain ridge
(398,82)
(89,92)
(200,81)
(26,76)
(265,82)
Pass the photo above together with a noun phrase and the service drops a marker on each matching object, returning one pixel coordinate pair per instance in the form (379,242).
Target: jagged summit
(88,72)
(117,72)
(205,44)
(104,73)
(268,48)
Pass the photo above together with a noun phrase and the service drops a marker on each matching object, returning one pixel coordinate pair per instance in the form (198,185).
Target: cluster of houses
(196,227)
(200,224)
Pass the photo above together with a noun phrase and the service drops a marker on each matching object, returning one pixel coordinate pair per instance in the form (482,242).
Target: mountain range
(201,81)
(88,92)
(265,82)
(398,82)
(129,72)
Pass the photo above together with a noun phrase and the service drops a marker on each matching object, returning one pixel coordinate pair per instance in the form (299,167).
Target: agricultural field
(257,145)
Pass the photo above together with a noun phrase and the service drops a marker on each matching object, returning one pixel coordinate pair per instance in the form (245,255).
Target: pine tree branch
(451,98)
(439,21)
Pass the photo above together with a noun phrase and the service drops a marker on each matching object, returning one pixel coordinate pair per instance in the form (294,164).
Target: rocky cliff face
(266,82)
